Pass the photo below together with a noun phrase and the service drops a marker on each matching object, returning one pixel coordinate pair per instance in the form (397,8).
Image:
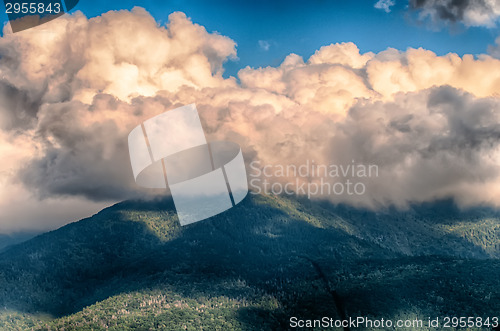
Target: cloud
(469,12)
(264,45)
(72,89)
(385,5)
(68,97)
(19,209)
(494,50)
(435,143)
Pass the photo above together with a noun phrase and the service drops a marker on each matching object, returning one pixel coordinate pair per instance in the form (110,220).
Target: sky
(411,86)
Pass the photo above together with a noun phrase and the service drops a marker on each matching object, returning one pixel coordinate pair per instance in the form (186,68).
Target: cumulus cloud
(470,12)
(72,89)
(69,94)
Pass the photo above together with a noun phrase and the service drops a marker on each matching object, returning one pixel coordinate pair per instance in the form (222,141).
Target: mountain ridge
(134,247)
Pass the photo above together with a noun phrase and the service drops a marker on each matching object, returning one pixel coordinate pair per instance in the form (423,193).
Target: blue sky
(301,27)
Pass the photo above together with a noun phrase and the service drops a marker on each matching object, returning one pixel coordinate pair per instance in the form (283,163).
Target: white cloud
(72,89)
(385,5)
(264,45)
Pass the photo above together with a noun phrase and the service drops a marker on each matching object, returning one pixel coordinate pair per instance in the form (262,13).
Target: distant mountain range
(15,238)
(253,267)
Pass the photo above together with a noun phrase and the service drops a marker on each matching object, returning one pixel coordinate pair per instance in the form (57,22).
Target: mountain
(132,266)
(15,238)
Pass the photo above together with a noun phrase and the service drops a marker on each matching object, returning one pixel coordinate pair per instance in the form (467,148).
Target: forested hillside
(252,267)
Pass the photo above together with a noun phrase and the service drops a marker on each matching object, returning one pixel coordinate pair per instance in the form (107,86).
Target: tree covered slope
(252,267)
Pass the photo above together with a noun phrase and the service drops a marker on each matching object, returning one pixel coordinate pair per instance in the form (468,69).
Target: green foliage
(132,266)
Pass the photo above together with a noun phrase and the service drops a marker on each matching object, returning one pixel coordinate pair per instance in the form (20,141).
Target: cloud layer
(72,89)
